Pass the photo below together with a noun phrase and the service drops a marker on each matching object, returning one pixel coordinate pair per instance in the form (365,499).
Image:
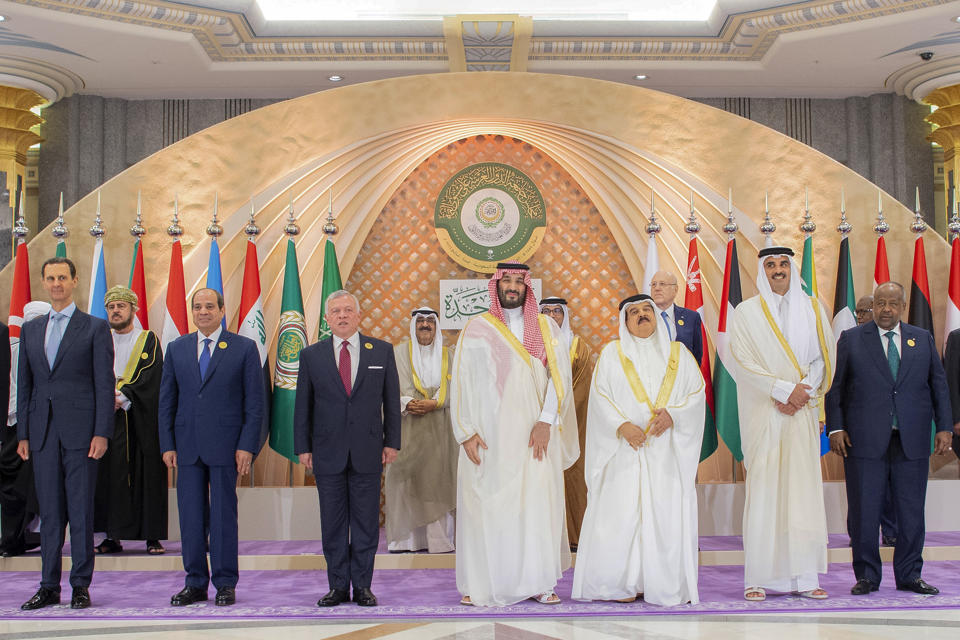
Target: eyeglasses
(860,312)
(661,283)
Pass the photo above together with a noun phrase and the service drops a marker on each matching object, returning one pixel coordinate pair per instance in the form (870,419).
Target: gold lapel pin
(911,342)
(144,356)
(222,344)
(367,345)
(680,322)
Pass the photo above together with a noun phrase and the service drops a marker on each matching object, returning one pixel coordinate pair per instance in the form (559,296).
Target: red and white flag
(175,313)
(953,291)
(881,270)
(250,323)
(138,283)
(693,299)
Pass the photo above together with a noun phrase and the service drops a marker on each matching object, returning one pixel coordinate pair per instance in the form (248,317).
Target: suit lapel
(78,322)
(908,353)
(874,346)
(219,353)
(191,346)
(677,317)
(363,362)
(329,361)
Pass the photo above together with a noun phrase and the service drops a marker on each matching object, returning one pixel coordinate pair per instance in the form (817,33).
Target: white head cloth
(801,329)
(35,309)
(566,333)
(649,355)
(427,360)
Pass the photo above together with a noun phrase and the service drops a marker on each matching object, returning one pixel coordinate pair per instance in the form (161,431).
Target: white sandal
(814,594)
(754,594)
(546,598)
(466,601)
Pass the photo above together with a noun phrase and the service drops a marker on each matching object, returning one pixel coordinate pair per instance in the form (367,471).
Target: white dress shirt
(68,312)
(353,348)
(213,341)
(671,320)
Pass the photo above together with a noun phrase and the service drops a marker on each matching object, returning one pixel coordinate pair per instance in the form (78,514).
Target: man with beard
(890,386)
(784,351)
(512,412)
(581,370)
(131,499)
(421,486)
(644,428)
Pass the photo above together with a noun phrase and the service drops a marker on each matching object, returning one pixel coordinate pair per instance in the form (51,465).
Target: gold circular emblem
(555,342)
(911,342)
(680,322)
(144,356)
(367,345)
(222,344)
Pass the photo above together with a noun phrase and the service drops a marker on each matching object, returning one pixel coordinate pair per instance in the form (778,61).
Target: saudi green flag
(61,249)
(292,338)
(331,283)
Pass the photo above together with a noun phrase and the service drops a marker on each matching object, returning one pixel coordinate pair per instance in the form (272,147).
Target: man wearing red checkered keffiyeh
(511,408)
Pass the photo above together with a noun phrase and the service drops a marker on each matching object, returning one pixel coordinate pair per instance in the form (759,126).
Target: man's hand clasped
(539,437)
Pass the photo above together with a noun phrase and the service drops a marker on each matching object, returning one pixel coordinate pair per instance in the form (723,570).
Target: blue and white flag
(98,283)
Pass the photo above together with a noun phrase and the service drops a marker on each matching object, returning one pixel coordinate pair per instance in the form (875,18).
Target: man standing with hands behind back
(65,397)
(346,426)
(888,388)
(211,407)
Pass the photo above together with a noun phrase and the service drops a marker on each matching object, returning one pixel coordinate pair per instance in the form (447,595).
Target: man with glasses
(682,325)
(864,309)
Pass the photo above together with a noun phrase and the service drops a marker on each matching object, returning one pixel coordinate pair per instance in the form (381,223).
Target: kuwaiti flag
(175,312)
(920,314)
(138,283)
(652,264)
(953,291)
(808,282)
(251,325)
(881,270)
(724,382)
(331,283)
(693,299)
(844,299)
(214,275)
(98,282)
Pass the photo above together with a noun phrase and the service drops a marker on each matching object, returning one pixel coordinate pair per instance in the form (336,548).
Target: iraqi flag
(693,299)
(844,299)
(138,284)
(920,314)
(881,270)
(953,291)
(251,325)
(724,383)
(175,311)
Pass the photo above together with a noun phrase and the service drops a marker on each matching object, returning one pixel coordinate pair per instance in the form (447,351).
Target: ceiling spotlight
(640,76)
(335,78)
(956,18)
(3,18)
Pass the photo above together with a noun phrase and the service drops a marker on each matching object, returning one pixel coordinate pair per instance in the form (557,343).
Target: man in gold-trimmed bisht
(421,486)
(784,355)
(131,498)
(512,411)
(644,427)
(581,370)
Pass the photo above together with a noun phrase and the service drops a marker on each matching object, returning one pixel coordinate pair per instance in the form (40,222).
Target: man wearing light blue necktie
(65,386)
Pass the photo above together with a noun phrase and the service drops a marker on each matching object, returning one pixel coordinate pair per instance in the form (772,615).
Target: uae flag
(291,338)
(251,325)
(808,282)
(953,291)
(175,311)
(138,284)
(881,270)
(331,283)
(920,313)
(844,299)
(693,299)
(724,383)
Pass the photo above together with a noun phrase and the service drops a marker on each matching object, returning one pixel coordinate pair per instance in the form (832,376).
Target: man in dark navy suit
(211,403)
(682,324)
(346,427)
(65,396)
(888,388)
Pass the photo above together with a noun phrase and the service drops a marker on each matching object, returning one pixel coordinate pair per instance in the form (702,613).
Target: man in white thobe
(420,488)
(644,426)
(785,354)
(512,411)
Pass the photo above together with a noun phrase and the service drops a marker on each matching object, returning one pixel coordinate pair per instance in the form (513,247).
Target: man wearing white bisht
(512,410)
(785,355)
(644,426)
(421,486)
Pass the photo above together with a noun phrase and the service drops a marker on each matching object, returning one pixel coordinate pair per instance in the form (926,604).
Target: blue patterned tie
(56,335)
(205,358)
(666,321)
(893,359)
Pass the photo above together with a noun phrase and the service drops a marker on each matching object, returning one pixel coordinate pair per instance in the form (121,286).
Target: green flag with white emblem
(292,338)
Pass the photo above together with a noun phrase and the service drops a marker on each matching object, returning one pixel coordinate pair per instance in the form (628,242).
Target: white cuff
(781,391)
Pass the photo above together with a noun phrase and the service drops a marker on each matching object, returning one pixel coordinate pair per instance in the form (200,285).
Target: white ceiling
(118,59)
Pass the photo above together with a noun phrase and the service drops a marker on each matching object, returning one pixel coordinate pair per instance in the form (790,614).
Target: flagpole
(730,228)
(251,230)
(60,231)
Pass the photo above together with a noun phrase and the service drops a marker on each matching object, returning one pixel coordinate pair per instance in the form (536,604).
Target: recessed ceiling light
(956,18)
(640,76)
(3,18)
(335,78)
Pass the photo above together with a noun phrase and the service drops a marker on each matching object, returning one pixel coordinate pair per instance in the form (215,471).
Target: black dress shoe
(226,596)
(80,599)
(364,597)
(889,541)
(919,586)
(188,595)
(863,587)
(42,598)
(333,598)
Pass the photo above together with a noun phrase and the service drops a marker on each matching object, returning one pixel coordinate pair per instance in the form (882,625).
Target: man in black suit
(682,324)
(888,387)
(65,397)
(346,427)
